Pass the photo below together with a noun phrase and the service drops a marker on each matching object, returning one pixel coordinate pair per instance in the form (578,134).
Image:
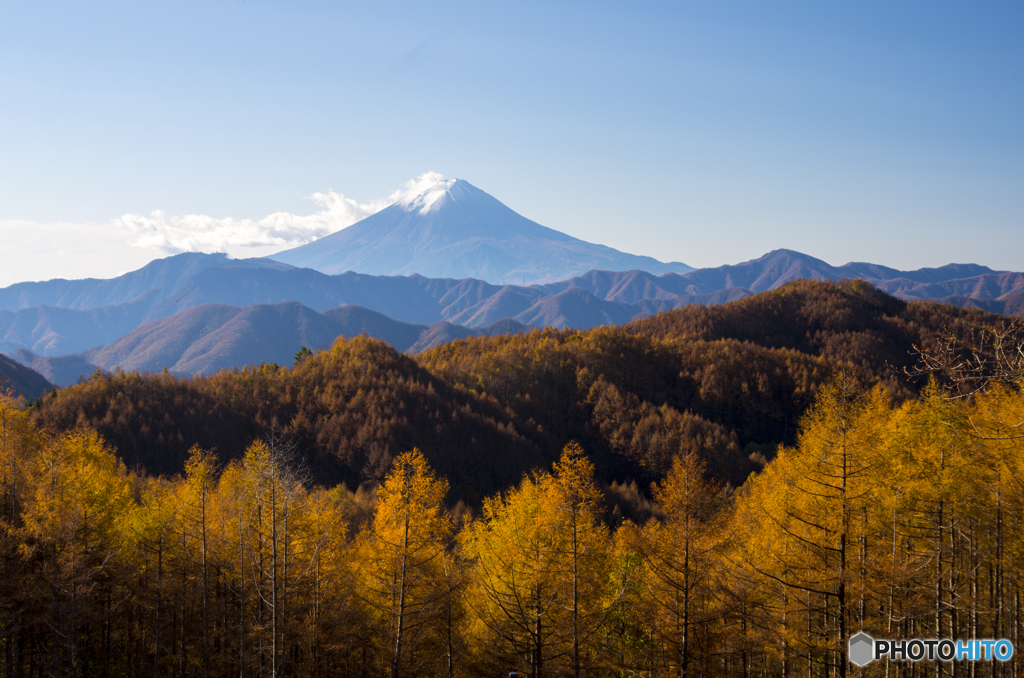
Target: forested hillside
(730,491)
(900,520)
(850,322)
(348,410)
(730,381)
(22,381)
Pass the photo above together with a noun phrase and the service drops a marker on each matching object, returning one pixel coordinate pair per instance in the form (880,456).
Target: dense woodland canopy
(460,544)
(731,381)
(900,520)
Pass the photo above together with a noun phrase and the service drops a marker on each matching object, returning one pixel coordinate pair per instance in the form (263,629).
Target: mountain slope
(21,380)
(779,267)
(850,321)
(984,286)
(575,307)
(455,230)
(729,381)
(210,337)
(48,330)
(168,276)
(74,323)
(61,370)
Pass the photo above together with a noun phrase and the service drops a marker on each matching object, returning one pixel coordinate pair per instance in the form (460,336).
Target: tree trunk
(206,591)
(400,622)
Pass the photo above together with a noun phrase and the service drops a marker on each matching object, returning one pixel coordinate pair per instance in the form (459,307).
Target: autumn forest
(715,491)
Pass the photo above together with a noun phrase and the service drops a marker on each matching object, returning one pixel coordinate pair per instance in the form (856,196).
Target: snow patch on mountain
(452,229)
(425,201)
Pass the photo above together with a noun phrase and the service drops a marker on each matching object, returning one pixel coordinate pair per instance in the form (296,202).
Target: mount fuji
(455,230)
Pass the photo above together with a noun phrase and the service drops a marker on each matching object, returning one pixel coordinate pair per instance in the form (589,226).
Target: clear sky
(708,133)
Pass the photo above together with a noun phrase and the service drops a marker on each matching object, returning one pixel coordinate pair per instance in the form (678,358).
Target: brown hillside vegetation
(729,382)
(901,520)
(851,322)
(22,381)
(634,401)
(349,410)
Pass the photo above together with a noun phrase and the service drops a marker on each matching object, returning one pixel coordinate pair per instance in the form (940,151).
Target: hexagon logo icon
(861,649)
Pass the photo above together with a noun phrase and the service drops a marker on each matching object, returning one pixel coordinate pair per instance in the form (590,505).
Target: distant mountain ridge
(455,230)
(157,282)
(210,337)
(80,317)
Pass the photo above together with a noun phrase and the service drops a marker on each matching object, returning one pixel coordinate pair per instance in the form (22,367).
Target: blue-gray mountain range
(207,311)
(200,312)
(206,338)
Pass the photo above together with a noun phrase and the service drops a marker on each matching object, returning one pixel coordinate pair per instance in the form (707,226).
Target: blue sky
(707,133)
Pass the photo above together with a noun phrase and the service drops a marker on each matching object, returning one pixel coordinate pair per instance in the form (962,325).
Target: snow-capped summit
(452,229)
(426,200)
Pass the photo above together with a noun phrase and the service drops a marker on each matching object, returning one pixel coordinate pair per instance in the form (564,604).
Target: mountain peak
(432,198)
(452,229)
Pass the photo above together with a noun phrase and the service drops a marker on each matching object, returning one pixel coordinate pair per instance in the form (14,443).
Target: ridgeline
(729,382)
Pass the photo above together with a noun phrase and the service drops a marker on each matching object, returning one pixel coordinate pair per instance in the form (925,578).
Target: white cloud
(42,251)
(415,186)
(202,233)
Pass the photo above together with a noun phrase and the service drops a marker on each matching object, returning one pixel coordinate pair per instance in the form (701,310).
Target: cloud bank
(42,251)
(202,233)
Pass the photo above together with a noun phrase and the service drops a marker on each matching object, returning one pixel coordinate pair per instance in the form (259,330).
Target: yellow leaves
(77,483)
(410,524)
(200,468)
(510,540)
(573,482)
(412,490)
(685,493)
(19,442)
(65,492)
(543,565)
(401,564)
(512,552)
(877,512)
(17,436)
(682,560)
